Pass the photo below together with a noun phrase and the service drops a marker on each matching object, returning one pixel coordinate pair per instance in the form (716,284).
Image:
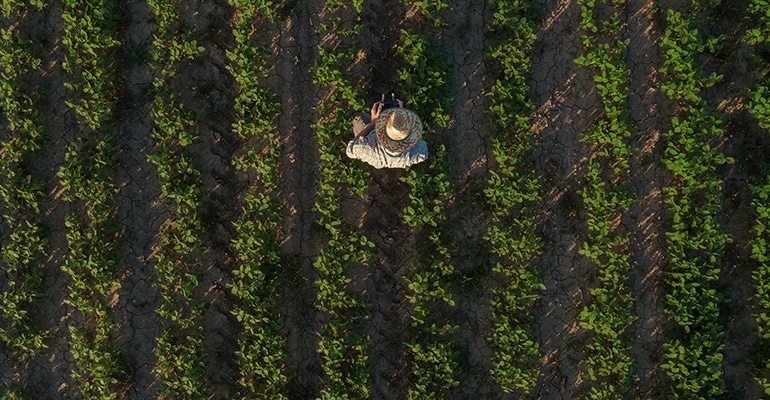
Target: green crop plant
(25,239)
(256,281)
(90,40)
(330,72)
(99,370)
(761,246)
(336,5)
(608,314)
(696,241)
(424,76)
(758,36)
(18,7)
(759,32)
(87,176)
(431,10)
(760,252)
(170,47)
(759,102)
(180,365)
(512,190)
(425,206)
(342,339)
(182,362)
(759,107)
(431,346)
(19,191)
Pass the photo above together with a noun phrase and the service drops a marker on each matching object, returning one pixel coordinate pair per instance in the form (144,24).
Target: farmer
(396,140)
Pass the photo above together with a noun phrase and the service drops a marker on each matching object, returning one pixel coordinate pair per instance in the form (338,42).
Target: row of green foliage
(759,107)
(18,7)
(696,241)
(513,189)
(87,175)
(255,282)
(424,76)
(181,359)
(760,251)
(759,32)
(759,37)
(431,10)
(605,197)
(26,240)
(343,338)
(434,358)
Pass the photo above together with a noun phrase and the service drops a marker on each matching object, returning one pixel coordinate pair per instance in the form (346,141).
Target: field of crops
(180,220)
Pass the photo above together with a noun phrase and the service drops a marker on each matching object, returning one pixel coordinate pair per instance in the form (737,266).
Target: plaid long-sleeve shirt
(368,150)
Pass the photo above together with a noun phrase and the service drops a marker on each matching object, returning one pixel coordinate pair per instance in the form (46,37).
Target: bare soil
(649,110)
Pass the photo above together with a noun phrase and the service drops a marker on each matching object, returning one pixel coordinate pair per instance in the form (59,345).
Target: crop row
(758,36)
(26,240)
(256,280)
(696,241)
(759,107)
(19,7)
(181,359)
(760,252)
(431,10)
(343,338)
(434,358)
(87,176)
(513,189)
(609,313)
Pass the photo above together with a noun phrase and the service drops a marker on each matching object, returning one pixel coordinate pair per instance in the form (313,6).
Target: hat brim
(398,146)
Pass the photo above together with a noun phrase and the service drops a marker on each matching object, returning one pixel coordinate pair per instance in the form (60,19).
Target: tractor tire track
(649,109)
(293,55)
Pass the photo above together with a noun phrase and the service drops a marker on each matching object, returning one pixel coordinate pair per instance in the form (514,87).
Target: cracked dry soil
(566,103)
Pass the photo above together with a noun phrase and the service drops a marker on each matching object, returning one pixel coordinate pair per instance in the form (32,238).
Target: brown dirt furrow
(140,211)
(466,139)
(294,53)
(567,104)
(389,321)
(466,135)
(210,90)
(735,281)
(733,61)
(140,215)
(6,362)
(749,144)
(48,376)
(649,110)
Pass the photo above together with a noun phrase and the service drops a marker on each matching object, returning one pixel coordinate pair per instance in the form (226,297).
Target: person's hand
(400,103)
(376,110)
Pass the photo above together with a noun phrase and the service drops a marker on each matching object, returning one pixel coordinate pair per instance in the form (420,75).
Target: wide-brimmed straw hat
(398,129)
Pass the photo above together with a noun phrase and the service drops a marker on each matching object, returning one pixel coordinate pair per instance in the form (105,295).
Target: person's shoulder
(368,150)
(420,148)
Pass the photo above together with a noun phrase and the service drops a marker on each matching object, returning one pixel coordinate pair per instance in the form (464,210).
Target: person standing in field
(388,138)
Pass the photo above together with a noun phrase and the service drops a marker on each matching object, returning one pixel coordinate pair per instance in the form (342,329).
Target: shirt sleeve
(418,153)
(366,149)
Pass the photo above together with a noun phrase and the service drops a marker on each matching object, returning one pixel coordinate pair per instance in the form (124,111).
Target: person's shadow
(382,222)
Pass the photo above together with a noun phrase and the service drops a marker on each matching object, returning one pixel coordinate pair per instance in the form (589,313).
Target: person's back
(390,138)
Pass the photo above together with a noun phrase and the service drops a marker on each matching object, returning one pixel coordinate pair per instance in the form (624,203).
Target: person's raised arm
(373,113)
